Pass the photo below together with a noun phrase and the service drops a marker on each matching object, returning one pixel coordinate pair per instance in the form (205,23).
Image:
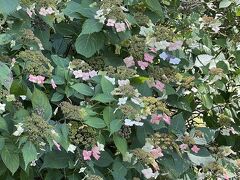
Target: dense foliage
(119,89)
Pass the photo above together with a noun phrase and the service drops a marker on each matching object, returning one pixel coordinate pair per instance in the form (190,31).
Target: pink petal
(183,146)
(87,155)
(57,145)
(167,119)
(157,152)
(159,85)
(148,57)
(156,118)
(143,65)
(111,22)
(96,152)
(120,27)
(129,61)
(195,149)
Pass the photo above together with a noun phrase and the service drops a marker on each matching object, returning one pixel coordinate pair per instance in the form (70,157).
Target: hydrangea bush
(119,89)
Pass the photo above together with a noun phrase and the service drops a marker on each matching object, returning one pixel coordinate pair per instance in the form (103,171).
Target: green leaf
(104,98)
(207,101)
(119,170)
(55,160)
(10,158)
(8,7)
(29,153)
(225,3)
(107,86)
(61,62)
(2,142)
(5,38)
(203,157)
(83,89)
(155,6)
(88,44)
(90,26)
(73,9)
(40,101)
(95,122)
(3,124)
(108,115)
(115,125)
(57,97)
(6,76)
(18,87)
(120,143)
(178,124)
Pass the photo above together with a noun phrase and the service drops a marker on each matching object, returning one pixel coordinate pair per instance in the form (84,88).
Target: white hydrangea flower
(129,122)
(2,107)
(122,101)
(123,82)
(100,146)
(23,97)
(127,157)
(82,170)
(19,130)
(112,80)
(71,148)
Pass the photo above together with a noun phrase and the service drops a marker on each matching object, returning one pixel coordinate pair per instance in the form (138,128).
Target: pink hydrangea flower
(167,119)
(85,76)
(148,57)
(78,74)
(36,79)
(226,177)
(92,73)
(111,22)
(159,85)
(143,65)
(54,86)
(120,27)
(45,12)
(156,118)
(57,145)
(195,149)
(87,155)
(174,46)
(157,152)
(153,49)
(183,146)
(129,61)
(96,152)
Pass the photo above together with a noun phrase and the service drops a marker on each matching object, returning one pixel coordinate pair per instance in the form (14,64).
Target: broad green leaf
(40,102)
(10,158)
(3,124)
(178,124)
(105,159)
(29,153)
(18,87)
(115,125)
(207,101)
(74,9)
(119,170)
(88,44)
(83,89)
(55,160)
(155,6)
(2,142)
(6,77)
(61,62)
(120,143)
(90,26)
(57,97)
(95,122)
(107,86)
(225,3)
(5,38)
(108,115)
(203,157)
(8,7)
(104,98)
